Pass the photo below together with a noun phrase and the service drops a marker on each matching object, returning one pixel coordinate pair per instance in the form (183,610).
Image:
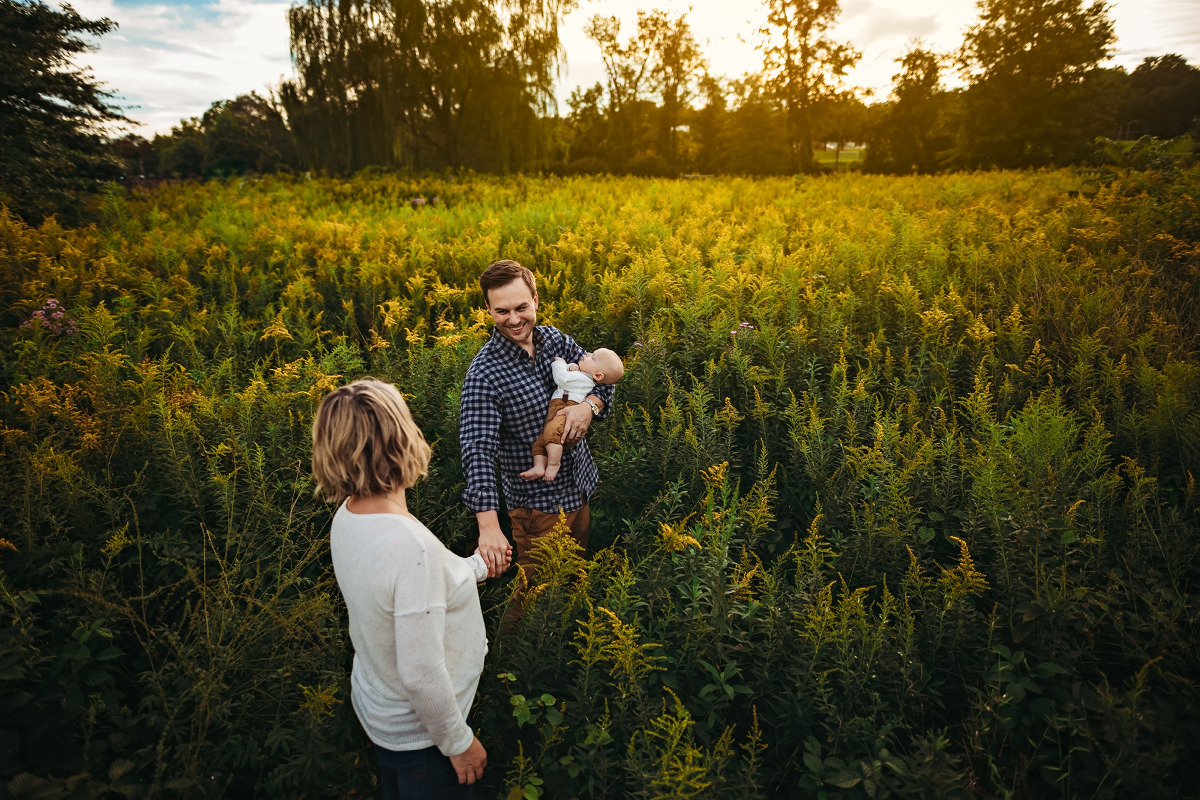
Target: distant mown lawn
(846,156)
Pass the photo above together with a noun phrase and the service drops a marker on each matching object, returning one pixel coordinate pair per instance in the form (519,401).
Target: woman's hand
(469,764)
(503,565)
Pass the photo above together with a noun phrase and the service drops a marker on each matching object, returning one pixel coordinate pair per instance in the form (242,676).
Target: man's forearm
(489,524)
(492,542)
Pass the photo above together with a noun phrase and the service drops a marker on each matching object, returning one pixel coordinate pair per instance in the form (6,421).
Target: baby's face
(588,363)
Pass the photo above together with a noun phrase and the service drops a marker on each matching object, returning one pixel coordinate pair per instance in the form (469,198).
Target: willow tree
(334,104)
(803,65)
(424,83)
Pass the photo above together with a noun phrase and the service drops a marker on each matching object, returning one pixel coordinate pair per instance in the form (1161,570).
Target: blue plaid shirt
(504,401)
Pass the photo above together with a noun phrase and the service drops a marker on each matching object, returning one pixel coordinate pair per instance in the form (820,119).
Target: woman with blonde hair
(415,619)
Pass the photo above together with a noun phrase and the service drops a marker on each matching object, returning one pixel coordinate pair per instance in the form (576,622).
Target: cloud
(890,25)
(171,61)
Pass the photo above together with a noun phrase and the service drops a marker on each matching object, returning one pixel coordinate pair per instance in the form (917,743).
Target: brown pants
(529,525)
(553,430)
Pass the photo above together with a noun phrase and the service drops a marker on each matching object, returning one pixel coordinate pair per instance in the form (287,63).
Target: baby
(574,382)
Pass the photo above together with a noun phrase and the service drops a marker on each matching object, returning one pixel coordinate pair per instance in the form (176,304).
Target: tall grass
(898,496)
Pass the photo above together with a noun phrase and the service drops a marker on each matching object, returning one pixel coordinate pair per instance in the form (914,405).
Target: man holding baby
(505,397)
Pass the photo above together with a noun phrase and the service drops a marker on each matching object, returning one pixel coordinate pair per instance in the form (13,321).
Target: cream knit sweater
(417,630)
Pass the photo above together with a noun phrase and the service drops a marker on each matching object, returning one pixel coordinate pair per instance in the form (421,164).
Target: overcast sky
(171,60)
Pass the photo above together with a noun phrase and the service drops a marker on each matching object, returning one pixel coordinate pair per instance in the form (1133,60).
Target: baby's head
(603,365)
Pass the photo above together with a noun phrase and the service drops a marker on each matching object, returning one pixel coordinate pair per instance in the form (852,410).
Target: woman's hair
(365,442)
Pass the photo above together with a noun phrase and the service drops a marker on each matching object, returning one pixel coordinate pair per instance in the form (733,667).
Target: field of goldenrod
(898,496)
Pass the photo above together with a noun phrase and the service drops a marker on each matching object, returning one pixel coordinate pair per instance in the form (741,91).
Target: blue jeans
(419,775)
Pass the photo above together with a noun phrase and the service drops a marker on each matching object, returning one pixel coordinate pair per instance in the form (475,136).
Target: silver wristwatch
(595,408)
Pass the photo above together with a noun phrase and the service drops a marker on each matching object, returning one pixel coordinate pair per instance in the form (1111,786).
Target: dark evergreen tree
(708,126)
(53,113)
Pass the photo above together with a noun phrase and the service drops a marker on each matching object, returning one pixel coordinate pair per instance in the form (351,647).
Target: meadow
(898,496)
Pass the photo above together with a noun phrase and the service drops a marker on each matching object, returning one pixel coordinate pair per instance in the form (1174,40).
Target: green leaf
(844,778)
(1049,668)
(108,654)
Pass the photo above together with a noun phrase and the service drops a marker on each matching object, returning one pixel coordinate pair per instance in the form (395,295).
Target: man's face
(514,309)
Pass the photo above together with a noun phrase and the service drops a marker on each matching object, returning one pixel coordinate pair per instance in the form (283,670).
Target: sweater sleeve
(478,566)
(420,620)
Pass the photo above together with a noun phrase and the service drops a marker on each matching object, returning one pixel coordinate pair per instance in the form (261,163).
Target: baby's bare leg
(538,469)
(554,452)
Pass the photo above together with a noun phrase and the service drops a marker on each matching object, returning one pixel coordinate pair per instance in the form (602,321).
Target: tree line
(468,84)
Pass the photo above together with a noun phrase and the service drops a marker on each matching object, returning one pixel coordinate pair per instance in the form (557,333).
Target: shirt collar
(506,345)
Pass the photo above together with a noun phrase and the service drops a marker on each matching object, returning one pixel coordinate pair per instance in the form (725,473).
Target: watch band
(595,408)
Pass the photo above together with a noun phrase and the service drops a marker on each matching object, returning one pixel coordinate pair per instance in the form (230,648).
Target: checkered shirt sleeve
(504,400)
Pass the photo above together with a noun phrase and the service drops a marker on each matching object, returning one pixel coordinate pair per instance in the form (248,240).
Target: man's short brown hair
(365,442)
(502,273)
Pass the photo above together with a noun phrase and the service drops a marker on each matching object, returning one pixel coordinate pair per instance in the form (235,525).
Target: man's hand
(469,764)
(579,418)
(493,546)
(505,561)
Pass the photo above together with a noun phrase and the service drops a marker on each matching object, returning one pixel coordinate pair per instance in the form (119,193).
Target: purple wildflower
(53,318)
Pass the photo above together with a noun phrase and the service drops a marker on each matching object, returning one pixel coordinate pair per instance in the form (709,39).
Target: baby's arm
(559,368)
(570,367)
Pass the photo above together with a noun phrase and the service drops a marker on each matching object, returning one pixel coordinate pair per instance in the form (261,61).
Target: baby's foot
(533,473)
(551,472)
